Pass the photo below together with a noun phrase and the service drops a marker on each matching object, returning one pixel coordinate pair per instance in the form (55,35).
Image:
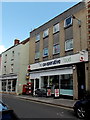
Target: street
(28,109)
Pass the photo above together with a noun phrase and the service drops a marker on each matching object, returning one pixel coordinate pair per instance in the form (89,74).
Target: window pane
(56,49)
(69,45)
(38,37)
(37,55)
(66,81)
(45,52)
(68,21)
(37,44)
(45,33)
(56,28)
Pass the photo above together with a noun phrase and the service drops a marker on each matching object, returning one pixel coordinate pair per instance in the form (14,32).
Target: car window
(3,107)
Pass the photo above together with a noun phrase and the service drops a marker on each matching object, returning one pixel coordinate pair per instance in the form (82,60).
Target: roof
(79,6)
(22,42)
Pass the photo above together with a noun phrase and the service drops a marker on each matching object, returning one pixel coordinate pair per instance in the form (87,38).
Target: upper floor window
(45,33)
(45,52)
(4,69)
(12,55)
(37,55)
(56,28)
(11,69)
(56,49)
(69,45)
(5,58)
(68,21)
(38,37)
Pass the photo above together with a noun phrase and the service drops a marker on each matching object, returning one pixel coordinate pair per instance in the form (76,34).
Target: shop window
(45,81)
(66,82)
(3,85)
(56,28)
(68,21)
(68,44)
(9,85)
(13,85)
(45,52)
(56,49)
(46,33)
(54,80)
(37,37)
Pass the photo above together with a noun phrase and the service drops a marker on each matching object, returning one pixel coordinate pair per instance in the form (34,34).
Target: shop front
(9,83)
(59,73)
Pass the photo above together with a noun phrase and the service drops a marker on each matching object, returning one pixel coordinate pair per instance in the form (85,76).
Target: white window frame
(37,55)
(37,37)
(54,49)
(66,25)
(56,28)
(71,41)
(44,52)
(45,33)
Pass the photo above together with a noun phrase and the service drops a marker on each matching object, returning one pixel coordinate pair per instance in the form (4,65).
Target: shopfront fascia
(50,73)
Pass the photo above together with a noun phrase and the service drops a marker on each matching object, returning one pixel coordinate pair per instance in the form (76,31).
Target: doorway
(81,80)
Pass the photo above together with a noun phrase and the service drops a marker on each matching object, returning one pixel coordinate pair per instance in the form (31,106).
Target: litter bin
(48,90)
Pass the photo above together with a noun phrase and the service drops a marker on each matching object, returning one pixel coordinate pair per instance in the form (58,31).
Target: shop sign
(49,63)
(72,59)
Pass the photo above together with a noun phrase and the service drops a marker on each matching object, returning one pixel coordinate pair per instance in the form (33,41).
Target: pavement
(62,102)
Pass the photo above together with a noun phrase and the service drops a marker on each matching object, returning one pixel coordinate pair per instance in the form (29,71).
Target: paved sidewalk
(68,103)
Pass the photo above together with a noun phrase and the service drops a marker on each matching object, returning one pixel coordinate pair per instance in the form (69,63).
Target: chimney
(16,42)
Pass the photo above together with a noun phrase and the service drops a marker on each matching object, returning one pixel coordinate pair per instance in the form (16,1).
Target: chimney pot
(16,42)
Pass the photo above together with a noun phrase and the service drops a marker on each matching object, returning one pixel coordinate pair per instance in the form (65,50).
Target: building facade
(14,66)
(61,52)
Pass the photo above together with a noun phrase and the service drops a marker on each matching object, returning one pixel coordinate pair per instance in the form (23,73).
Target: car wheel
(81,113)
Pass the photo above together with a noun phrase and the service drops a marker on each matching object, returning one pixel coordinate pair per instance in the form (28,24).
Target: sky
(20,18)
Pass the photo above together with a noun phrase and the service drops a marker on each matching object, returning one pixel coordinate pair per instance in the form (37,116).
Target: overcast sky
(19,18)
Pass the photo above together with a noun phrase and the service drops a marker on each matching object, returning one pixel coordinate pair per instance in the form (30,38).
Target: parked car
(40,92)
(6,113)
(82,108)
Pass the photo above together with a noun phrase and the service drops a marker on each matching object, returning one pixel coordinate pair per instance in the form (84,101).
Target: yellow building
(60,52)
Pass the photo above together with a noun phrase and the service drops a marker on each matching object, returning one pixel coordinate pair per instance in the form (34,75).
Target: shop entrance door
(81,80)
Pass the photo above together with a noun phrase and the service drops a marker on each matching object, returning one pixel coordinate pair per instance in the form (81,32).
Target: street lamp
(79,23)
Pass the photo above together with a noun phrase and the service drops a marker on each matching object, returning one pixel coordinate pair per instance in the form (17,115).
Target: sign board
(76,58)
(48,92)
(56,92)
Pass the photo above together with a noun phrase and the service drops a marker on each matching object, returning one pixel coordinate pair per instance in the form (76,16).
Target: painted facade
(14,66)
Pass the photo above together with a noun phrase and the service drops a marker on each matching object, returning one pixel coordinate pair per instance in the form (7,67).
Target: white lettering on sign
(51,63)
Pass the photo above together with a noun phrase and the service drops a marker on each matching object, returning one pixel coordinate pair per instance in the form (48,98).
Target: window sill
(56,32)
(45,36)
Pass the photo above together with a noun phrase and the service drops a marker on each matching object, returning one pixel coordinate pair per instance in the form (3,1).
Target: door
(81,80)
